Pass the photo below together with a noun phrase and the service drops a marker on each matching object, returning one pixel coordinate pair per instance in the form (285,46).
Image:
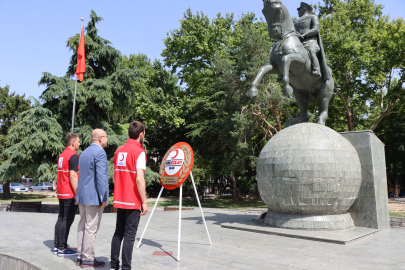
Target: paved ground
(29,236)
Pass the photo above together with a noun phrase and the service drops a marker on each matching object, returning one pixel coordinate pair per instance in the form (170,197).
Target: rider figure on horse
(308,27)
(297,60)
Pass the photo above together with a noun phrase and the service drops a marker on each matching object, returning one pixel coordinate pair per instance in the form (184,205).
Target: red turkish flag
(81,58)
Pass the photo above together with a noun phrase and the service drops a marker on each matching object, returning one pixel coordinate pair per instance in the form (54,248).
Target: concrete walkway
(29,236)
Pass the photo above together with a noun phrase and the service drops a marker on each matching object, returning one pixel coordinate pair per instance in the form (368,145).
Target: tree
(190,48)
(217,61)
(366,53)
(160,104)
(35,144)
(11,105)
(116,90)
(106,90)
(392,133)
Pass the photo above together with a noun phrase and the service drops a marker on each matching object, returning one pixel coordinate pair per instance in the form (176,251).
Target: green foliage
(190,48)
(35,144)
(105,92)
(245,184)
(102,59)
(11,105)
(392,133)
(116,90)
(366,53)
(160,104)
(217,60)
(151,177)
(202,98)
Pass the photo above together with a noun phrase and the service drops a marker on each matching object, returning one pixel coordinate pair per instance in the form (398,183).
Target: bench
(24,206)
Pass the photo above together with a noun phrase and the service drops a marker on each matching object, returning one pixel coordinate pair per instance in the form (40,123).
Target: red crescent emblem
(177,152)
(122,158)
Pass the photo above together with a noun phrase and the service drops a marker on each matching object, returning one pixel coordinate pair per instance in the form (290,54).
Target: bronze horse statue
(292,60)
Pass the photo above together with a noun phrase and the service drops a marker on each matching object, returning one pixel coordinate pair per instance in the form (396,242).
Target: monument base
(309,222)
(343,237)
(370,210)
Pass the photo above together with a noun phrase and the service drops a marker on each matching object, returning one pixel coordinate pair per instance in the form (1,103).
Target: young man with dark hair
(68,167)
(129,194)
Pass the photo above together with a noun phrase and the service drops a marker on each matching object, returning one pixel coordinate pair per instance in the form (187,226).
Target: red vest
(126,194)
(64,188)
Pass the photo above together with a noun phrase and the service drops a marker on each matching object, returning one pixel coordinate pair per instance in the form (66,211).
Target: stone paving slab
(29,236)
(344,237)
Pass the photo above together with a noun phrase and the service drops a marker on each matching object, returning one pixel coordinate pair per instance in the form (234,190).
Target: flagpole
(74,97)
(74,106)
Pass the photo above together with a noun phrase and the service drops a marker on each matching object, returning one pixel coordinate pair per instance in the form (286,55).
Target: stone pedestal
(370,210)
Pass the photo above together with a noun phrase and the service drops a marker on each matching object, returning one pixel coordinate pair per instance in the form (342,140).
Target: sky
(34,33)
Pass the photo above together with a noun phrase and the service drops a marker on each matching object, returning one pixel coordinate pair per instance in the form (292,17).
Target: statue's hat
(305,5)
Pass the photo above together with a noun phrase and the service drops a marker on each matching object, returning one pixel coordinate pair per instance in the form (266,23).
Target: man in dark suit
(92,197)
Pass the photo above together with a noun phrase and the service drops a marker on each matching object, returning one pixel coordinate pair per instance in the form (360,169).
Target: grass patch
(396,214)
(30,196)
(219,203)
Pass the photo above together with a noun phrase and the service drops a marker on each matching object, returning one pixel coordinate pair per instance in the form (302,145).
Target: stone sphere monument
(309,176)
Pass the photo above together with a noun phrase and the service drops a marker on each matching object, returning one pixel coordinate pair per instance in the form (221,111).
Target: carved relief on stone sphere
(309,169)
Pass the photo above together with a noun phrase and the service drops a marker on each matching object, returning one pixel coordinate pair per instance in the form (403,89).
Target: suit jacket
(92,188)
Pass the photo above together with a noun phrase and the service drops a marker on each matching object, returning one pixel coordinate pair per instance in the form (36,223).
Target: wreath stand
(180,201)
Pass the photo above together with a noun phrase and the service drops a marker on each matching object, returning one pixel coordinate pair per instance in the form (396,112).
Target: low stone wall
(51,208)
(12,263)
(397,222)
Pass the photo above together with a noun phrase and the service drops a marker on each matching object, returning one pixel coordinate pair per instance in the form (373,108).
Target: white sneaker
(55,251)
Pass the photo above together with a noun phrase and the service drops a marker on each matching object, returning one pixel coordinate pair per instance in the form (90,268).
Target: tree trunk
(235,194)
(6,190)
(202,193)
(396,188)
(195,197)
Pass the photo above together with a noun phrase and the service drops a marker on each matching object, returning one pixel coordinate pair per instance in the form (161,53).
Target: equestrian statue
(299,58)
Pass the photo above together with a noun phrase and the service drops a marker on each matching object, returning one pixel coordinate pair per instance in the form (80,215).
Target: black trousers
(126,227)
(67,212)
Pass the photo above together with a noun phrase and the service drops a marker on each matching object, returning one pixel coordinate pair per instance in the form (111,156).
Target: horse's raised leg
(285,65)
(267,69)
(325,95)
(323,110)
(303,103)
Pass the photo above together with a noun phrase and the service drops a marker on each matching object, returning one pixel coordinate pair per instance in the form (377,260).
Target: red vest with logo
(126,194)
(64,189)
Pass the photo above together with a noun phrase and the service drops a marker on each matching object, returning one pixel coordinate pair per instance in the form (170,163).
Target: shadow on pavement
(102,259)
(48,243)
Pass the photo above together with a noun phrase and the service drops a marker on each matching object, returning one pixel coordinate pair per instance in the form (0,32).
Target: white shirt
(141,162)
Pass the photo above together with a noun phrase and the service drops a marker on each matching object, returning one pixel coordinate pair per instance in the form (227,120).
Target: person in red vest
(129,194)
(68,167)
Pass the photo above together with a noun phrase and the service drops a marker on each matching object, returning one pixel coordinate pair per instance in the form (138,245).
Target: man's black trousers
(126,227)
(67,212)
